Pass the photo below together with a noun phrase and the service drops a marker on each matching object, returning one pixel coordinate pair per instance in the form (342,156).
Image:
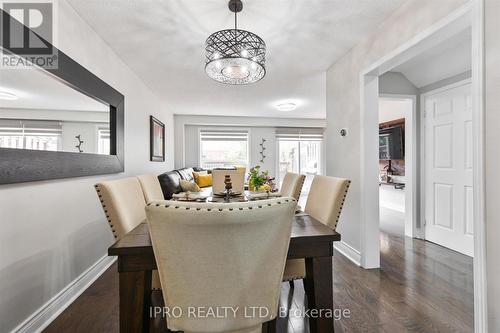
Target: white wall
(343,97)
(52,231)
(446,82)
(392,198)
(393,109)
(396,83)
(492,139)
(446,59)
(256,136)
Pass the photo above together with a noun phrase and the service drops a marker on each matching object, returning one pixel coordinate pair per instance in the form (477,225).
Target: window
(103,142)
(30,134)
(299,151)
(223,148)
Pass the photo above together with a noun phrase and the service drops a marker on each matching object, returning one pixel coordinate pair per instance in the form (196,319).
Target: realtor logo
(27,34)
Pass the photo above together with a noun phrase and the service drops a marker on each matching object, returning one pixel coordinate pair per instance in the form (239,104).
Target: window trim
(226,128)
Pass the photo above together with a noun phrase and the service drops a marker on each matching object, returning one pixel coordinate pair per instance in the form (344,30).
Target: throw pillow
(188,186)
(203,180)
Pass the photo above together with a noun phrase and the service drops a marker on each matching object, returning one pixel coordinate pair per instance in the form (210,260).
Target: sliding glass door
(300,153)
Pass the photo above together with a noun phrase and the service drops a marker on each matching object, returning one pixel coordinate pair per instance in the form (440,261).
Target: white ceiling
(448,59)
(36,89)
(163,42)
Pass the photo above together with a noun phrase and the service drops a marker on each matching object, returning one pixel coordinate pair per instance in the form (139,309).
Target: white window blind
(224,135)
(301,134)
(223,148)
(30,134)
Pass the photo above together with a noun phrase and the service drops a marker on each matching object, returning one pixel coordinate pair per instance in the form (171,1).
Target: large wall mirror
(56,122)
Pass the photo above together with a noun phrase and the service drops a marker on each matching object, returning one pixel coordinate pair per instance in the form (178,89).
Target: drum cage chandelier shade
(235,56)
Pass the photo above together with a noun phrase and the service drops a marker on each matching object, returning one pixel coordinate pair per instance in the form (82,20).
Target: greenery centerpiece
(260,181)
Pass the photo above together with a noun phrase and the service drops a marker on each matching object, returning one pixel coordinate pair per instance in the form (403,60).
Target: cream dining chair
(324,203)
(221,255)
(237,180)
(292,185)
(123,202)
(150,187)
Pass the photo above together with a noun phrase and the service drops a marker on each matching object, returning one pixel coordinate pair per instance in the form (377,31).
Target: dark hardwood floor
(420,287)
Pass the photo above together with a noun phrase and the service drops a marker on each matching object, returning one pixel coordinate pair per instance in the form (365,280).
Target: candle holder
(229,187)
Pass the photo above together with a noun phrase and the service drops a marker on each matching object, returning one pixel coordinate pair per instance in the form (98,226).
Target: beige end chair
(151,188)
(324,203)
(123,203)
(292,185)
(221,255)
(237,180)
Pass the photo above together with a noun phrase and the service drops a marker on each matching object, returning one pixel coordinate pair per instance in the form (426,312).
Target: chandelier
(235,56)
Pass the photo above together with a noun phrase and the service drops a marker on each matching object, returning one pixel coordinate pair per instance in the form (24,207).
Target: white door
(448,168)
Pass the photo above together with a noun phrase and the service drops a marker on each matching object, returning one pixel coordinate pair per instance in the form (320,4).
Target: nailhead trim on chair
(229,209)
(98,190)
(301,187)
(176,207)
(342,204)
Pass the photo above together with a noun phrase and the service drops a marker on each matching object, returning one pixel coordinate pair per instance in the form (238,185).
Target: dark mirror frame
(21,165)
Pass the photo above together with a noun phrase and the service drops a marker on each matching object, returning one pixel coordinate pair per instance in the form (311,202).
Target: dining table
(310,240)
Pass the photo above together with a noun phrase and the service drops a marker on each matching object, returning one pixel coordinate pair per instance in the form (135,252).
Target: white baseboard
(41,318)
(348,251)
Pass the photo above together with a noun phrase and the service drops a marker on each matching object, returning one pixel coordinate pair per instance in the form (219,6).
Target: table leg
(135,300)
(319,289)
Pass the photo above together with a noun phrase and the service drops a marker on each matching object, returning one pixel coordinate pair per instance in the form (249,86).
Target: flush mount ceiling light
(7,96)
(235,56)
(285,107)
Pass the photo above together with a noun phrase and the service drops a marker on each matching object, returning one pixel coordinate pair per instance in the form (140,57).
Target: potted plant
(260,181)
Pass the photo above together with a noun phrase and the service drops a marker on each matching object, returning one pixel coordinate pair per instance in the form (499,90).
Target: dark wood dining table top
(304,229)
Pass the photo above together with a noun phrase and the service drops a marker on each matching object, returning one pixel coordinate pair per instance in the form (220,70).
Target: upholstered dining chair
(292,185)
(237,180)
(150,187)
(123,203)
(221,255)
(324,203)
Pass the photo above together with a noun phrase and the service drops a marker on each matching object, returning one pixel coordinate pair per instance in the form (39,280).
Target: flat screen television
(391,143)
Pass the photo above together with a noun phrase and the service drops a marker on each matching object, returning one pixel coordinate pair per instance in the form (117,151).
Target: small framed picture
(157,140)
